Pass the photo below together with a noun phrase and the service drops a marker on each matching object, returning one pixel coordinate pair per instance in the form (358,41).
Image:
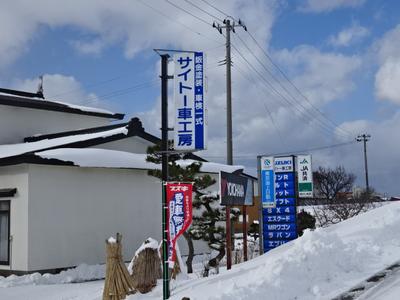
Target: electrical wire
(252,80)
(204,11)
(308,150)
(322,123)
(86,86)
(265,81)
(176,21)
(283,73)
(216,8)
(188,12)
(294,86)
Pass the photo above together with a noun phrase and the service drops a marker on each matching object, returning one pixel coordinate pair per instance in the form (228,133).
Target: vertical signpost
(279,220)
(190,110)
(305,180)
(190,135)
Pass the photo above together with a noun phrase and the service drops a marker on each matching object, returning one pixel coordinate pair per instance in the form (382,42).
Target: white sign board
(283,164)
(190,110)
(305,180)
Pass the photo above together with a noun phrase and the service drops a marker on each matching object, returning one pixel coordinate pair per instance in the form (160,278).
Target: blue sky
(343,55)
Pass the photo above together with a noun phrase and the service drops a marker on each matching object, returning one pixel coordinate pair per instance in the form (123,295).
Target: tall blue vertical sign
(279,222)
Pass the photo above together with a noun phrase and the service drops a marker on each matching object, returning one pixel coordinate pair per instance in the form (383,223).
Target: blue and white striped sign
(190,109)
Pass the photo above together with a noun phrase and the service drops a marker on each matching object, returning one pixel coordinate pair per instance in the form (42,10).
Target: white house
(72,181)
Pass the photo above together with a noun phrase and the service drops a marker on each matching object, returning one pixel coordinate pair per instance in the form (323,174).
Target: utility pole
(229,25)
(365,138)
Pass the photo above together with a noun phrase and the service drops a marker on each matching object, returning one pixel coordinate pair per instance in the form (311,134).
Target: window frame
(8,213)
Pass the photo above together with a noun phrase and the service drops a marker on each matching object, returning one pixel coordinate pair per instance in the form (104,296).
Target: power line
(188,12)
(282,73)
(242,73)
(282,86)
(265,81)
(204,11)
(175,21)
(290,152)
(88,85)
(294,86)
(216,8)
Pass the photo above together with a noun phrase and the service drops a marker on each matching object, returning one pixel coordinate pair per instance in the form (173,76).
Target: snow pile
(149,243)
(79,274)
(112,240)
(319,265)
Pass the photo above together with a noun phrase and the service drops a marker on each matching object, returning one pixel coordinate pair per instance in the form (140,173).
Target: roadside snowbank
(81,273)
(319,265)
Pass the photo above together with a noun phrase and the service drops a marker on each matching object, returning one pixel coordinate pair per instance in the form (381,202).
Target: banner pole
(164,171)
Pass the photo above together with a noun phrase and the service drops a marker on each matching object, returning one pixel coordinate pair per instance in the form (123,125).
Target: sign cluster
(278,196)
(280,221)
(179,216)
(190,110)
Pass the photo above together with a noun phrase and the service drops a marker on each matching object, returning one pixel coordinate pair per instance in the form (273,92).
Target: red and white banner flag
(179,212)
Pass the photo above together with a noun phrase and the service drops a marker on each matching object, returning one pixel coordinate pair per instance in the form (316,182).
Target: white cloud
(349,36)
(317,6)
(127,23)
(62,88)
(91,47)
(322,76)
(387,77)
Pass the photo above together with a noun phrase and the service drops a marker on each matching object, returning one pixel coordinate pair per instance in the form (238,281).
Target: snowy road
(389,289)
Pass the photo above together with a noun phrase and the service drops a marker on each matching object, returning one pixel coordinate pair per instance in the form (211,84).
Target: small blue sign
(291,210)
(284,185)
(270,244)
(285,235)
(284,193)
(280,227)
(279,218)
(285,202)
(284,177)
(267,187)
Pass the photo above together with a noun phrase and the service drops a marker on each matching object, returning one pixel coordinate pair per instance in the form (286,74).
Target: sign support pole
(260,209)
(244,232)
(164,170)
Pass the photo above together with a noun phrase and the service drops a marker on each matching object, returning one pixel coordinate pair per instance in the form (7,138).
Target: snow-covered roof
(211,167)
(104,158)
(10,150)
(30,100)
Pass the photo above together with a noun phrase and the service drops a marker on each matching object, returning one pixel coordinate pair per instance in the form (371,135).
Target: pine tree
(208,214)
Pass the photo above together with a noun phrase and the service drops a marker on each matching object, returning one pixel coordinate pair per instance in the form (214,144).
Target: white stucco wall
(73,210)
(133,144)
(16,123)
(17,177)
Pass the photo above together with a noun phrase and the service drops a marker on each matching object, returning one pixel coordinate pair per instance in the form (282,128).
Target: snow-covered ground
(320,265)
(389,289)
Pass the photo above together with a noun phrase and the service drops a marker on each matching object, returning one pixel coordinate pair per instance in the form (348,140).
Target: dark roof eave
(53,106)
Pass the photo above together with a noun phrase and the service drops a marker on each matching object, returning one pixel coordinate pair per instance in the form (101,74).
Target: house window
(4,232)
